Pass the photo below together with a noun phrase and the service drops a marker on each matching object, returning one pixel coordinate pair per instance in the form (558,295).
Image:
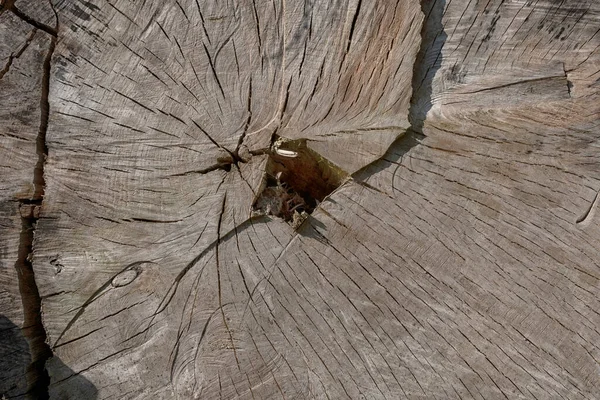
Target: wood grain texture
(459,260)
(23,49)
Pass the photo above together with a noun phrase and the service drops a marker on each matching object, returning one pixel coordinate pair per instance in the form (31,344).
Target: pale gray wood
(147,102)
(459,261)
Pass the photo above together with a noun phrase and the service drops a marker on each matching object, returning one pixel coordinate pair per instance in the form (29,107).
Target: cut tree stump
(273,199)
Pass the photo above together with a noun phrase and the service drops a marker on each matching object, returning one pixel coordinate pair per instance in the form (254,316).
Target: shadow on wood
(15,361)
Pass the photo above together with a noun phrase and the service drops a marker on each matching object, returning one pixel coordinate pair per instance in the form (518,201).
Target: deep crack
(425,67)
(38,380)
(427,63)
(26,18)
(33,329)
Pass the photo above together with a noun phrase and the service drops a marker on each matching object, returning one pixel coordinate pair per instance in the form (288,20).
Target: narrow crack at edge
(38,379)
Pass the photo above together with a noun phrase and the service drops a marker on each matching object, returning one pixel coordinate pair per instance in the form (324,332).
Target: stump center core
(297,179)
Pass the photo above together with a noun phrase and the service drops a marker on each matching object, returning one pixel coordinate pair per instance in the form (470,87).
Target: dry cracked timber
(421,267)
(37,350)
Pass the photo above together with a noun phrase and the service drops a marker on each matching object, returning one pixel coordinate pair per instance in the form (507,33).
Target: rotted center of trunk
(297,179)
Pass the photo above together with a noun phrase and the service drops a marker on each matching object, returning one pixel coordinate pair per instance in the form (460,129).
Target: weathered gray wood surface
(460,260)
(23,52)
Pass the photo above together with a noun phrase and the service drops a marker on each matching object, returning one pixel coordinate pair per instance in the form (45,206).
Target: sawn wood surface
(458,258)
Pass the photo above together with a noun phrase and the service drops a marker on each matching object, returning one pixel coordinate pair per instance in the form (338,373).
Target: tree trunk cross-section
(312,199)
